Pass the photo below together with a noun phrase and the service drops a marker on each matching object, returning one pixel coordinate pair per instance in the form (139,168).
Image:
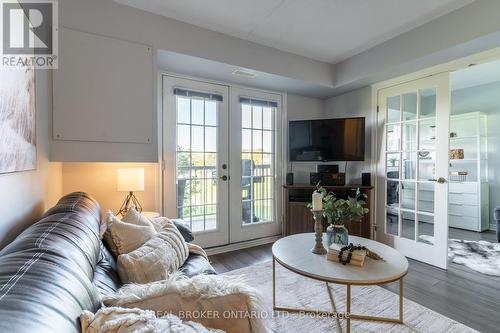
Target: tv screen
(327,140)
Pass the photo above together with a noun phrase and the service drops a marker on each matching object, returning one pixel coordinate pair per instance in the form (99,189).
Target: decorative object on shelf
(458,176)
(318,231)
(456,154)
(339,212)
(453,134)
(424,154)
(130,180)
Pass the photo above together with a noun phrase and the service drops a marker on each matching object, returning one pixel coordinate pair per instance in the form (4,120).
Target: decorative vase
(337,234)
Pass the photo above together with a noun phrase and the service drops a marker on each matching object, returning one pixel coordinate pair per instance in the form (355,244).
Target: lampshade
(130,179)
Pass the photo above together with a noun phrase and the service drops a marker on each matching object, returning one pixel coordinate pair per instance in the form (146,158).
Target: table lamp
(130,180)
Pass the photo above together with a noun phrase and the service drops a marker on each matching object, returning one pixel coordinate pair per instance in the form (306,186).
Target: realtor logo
(29,33)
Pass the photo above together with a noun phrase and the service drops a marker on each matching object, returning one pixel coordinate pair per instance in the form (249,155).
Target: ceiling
(217,71)
(476,75)
(324,30)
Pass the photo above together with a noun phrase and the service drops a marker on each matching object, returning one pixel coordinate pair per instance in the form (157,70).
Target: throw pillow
(156,259)
(128,237)
(180,224)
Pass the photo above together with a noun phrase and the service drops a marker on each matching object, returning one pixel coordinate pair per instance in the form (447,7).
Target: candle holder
(318,230)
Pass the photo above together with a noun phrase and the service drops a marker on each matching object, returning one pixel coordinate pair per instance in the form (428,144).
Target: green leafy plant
(341,211)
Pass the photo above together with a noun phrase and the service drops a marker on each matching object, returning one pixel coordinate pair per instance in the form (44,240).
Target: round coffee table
(294,253)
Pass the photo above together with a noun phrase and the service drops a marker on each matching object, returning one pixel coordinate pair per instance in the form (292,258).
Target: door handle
(224,178)
(440,180)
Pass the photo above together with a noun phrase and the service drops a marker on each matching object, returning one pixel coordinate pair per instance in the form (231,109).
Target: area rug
(480,256)
(296,291)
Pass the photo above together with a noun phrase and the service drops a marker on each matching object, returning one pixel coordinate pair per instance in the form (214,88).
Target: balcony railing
(197,192)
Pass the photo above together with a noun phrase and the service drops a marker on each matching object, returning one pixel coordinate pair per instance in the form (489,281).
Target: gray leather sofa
(59,267)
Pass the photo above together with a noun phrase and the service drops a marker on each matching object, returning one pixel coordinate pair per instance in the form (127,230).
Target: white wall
(99,180)
(301,108)
(107,18)
(24,196)
(357,103)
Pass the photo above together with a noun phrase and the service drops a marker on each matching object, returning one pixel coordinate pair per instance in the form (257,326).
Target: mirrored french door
(412,173)
(220,153)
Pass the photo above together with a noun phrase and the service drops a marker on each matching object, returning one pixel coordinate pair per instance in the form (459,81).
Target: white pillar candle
(317,201)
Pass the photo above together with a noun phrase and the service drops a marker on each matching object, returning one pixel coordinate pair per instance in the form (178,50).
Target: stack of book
(357,259)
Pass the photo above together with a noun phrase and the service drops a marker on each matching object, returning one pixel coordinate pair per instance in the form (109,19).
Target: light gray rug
(297,291)
(480,256)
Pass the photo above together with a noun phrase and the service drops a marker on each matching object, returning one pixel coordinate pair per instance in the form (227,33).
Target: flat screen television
(327,140)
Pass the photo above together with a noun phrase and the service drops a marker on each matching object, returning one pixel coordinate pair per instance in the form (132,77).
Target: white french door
(412,171)
(196,157)
(255,188)
(221,146)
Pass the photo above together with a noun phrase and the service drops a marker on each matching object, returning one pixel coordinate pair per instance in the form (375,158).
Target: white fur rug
(480,256)
(297,291)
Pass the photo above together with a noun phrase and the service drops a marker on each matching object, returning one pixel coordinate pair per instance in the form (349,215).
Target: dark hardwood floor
(458,293)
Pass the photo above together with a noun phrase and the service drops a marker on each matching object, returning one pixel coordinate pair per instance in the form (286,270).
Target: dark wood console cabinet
(298,217)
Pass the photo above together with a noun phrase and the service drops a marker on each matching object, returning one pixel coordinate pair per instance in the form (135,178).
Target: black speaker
(331,168)
(366,179)
(289,178)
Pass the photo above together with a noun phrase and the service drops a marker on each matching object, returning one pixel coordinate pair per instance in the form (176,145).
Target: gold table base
(347,316)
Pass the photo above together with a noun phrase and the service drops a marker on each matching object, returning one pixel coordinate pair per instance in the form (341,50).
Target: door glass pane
(393,137)
(392,194)
(410,106)
(392,221)
(257,161)
(426,165)
(408,225)
(427,103)
(409,136)
(408,195)
(393,109)
(196,157)
(425,229)
(427,134)
(426,197)
(392,166)
(409,165)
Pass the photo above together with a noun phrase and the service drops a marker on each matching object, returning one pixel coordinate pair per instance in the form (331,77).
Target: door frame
(282,164)
(425,252)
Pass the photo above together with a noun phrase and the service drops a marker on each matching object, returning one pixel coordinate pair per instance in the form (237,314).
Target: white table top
(294,252)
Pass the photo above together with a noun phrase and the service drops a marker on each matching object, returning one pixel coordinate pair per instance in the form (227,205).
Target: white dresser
(468,206)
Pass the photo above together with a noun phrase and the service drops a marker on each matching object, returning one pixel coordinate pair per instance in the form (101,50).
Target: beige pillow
(128,237)
(159,257)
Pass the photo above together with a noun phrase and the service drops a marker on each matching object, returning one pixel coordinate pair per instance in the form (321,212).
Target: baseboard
(241,245)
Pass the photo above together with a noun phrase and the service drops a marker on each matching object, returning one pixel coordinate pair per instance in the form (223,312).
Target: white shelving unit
(469,200)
